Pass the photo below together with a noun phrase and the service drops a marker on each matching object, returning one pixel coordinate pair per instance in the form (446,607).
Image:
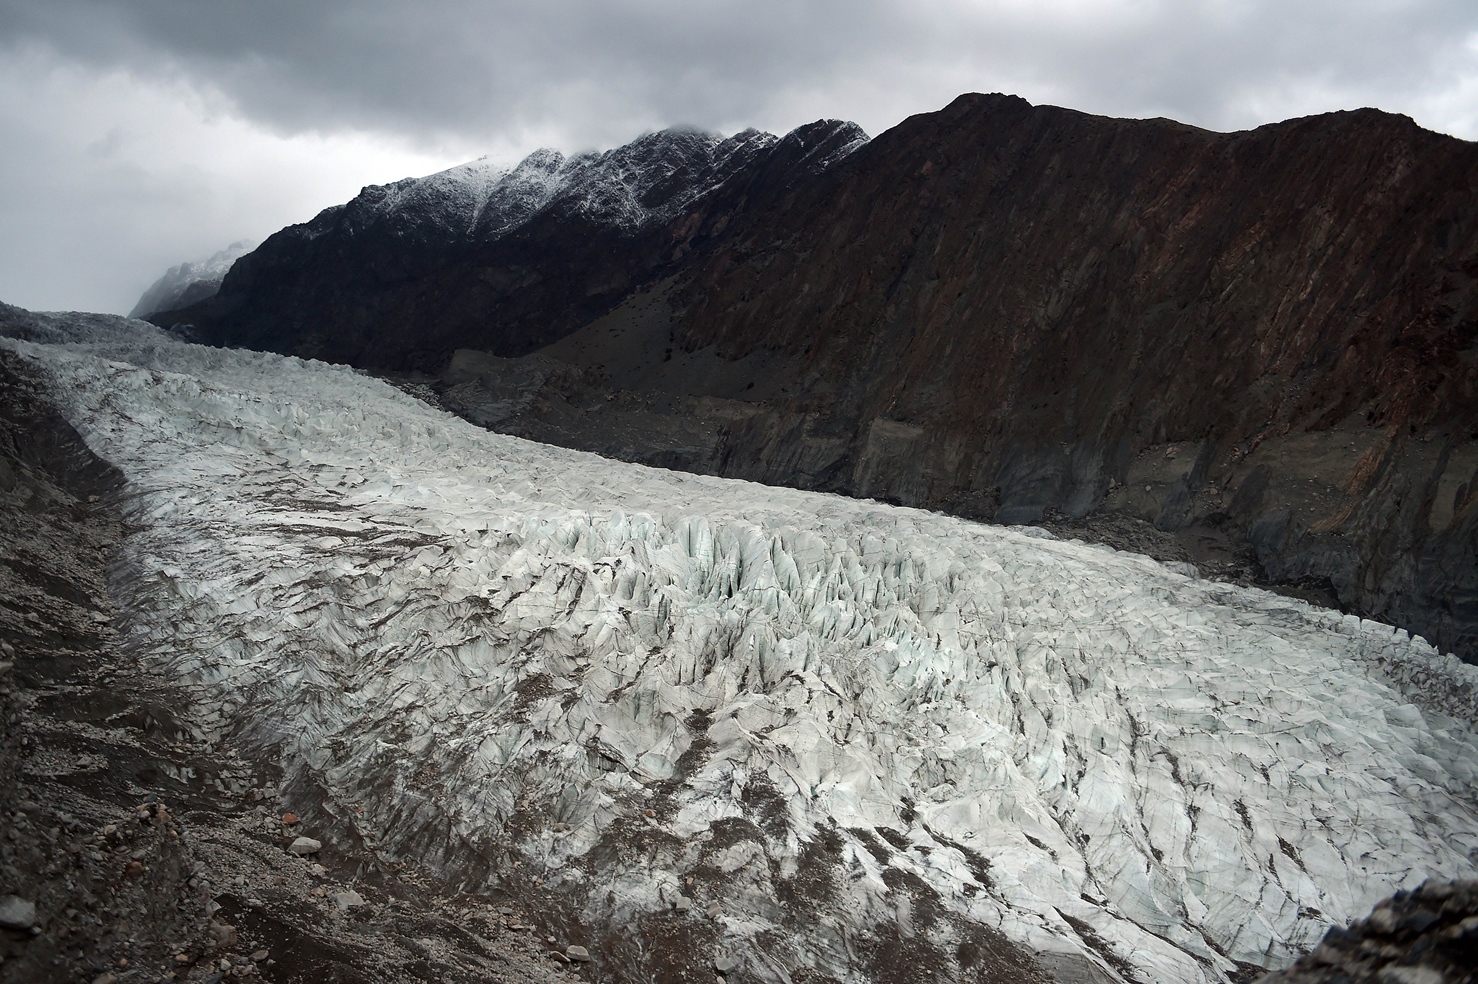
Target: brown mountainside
(1020,277)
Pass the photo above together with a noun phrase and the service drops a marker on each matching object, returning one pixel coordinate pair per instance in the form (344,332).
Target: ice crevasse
(694,697)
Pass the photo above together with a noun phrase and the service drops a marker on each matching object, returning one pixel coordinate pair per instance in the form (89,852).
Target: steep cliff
(1258,346)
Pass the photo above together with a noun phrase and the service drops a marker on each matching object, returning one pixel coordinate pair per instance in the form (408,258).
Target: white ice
(437,624)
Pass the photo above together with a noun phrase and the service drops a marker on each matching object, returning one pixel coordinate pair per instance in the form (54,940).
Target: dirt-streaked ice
(497,649)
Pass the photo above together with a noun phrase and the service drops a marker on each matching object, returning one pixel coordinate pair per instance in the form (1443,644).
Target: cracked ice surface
(483,641)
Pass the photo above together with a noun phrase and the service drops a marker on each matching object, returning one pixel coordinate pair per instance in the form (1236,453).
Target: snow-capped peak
(649,180)
(451,199)
(187,283)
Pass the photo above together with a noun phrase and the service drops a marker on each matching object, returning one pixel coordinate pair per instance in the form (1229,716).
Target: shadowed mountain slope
(478,257)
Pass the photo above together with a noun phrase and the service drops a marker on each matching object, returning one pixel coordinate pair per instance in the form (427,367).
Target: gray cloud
(431,82)
(597,67)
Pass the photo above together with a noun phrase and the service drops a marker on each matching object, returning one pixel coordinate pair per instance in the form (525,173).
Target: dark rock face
(1261,345)
(1044,310)
(477,258)
(1429,936)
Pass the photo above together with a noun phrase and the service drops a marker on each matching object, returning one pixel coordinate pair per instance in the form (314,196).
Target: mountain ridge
(590,220)
(189,283)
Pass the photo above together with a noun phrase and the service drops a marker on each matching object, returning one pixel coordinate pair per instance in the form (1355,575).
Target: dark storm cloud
(455,66)
(600,66)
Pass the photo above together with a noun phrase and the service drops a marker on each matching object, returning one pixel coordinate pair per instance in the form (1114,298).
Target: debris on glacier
(792,730)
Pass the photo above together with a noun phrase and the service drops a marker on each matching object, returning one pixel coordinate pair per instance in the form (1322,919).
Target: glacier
(790,724)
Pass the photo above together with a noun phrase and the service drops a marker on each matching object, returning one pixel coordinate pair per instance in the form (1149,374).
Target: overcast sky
(135,134)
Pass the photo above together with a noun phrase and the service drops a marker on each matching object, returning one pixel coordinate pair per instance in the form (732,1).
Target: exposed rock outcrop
(1427,936)
(1262,344)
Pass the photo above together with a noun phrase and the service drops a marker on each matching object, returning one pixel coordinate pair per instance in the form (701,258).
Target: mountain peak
(646,181)
(189,283)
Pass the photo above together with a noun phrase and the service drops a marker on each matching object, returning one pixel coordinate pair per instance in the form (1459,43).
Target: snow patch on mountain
(653,178)
(449,200)
(648,181)
(189,283)
(793,721)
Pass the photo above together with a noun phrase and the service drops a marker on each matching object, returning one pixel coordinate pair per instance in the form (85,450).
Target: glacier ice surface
(618,677)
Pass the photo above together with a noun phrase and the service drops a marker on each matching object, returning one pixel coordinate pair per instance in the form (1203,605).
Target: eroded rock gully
(1261,343)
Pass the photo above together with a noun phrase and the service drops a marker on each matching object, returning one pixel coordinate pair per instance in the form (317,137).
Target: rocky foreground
(1426,936)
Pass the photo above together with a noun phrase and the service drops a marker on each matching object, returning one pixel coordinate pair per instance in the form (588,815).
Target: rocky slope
(1274,329)
(1256,351)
